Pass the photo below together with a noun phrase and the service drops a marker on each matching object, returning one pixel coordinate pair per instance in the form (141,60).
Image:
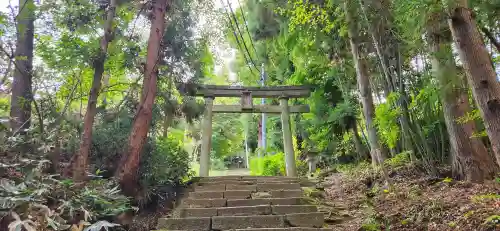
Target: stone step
(287,229)
(231,194)
(204,188)
(286,193)
(198,212)
(290,209)
(244,178)
(246,182)
(188,224)
(247,210)
(216,178)
(204,203)
(222,202)
(244,194)
(266,201)
(238,194)
(243,222)
(263,179)
(311,220)
(231,187)
(269,229)
(225,182)
(259,187)
(265,187)
(206,195)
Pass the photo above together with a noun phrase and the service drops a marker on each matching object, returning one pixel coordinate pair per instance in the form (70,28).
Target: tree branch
(9,67)
(491,37)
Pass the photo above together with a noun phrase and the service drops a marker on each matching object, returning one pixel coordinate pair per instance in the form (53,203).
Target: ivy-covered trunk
(478,66)
(363,87)
(471,160)
(20,109)
(79,161)
(127,173)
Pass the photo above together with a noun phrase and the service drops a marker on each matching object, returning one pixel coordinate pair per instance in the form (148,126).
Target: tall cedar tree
(478,66)
(471,160)
(127,173)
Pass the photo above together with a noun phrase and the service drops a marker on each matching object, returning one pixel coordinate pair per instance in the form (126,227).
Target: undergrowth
(274,165)
(34,201)
(34,198)
(418,201)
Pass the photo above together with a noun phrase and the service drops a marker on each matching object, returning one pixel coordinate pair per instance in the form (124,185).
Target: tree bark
(360,149)
(471,160)
(22,96)
(79,161)
(127,173)
(364,88)
(479,69)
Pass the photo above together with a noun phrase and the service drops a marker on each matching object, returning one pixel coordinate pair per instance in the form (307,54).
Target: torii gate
(209,92)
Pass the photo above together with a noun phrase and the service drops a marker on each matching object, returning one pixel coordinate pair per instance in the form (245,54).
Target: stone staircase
(245,203)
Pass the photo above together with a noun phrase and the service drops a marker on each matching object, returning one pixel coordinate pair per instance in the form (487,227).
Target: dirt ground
(415,202)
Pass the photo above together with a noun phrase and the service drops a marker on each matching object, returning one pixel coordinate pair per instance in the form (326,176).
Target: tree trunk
(360,149)
(22,96)
(127,173)
(471,159)
(364,88)
(480,73)
(79,161)
(386,46)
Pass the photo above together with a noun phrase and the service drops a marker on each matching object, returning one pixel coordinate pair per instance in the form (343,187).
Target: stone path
(245,203)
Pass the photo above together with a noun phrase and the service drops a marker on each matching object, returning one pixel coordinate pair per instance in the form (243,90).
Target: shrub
(270,165)
(166,164)
(274,164)
(109,141)
(36,201)
(398,160)
(217,163)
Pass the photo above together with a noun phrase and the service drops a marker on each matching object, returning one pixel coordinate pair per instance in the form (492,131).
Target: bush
(109,142)
(217,164)
(398,160)
(164,161)
(270,165)
(166,164)
(31,200)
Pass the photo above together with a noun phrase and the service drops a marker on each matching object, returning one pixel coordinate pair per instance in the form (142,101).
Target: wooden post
(206,138)
(246,100)
(291,168)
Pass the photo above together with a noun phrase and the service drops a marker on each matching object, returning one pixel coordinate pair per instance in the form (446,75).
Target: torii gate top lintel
(256,92)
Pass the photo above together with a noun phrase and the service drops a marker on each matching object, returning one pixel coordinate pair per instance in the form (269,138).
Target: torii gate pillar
(291,167)
(206,139)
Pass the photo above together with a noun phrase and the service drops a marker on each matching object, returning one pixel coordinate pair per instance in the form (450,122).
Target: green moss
(493,220)
(485,198)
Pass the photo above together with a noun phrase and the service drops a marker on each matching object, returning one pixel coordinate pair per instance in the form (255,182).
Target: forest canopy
(96,96)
